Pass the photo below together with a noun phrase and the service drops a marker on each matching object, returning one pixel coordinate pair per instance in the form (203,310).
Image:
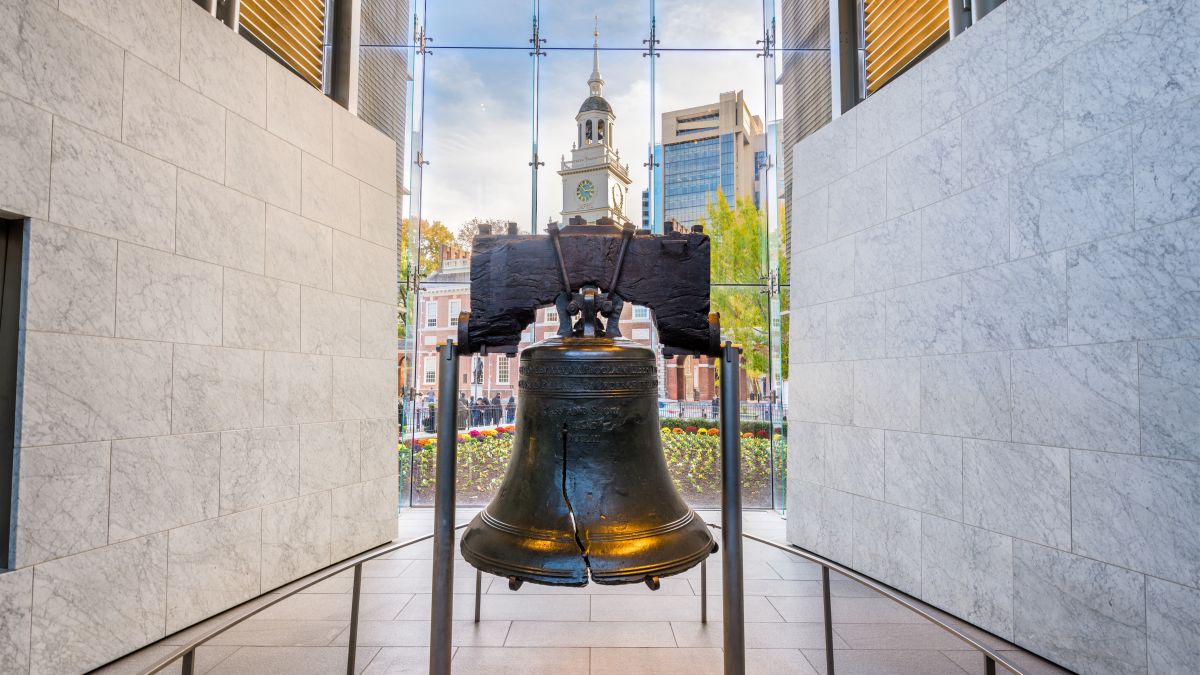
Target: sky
(478,104)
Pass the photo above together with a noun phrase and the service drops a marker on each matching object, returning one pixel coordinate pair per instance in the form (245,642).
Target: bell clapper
(515,583)
(653,583)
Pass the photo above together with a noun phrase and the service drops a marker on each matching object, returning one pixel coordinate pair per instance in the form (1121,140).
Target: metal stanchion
(478,592)
(733,602)
(704,591)
(828,605)
(442,612)
(189,663)
(353,642)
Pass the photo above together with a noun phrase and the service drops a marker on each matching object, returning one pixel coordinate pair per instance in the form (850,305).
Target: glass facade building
(692,174)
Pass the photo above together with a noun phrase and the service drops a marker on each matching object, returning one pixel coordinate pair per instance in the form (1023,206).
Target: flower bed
(693,456)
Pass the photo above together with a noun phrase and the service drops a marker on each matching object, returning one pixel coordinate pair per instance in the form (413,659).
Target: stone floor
(597,630)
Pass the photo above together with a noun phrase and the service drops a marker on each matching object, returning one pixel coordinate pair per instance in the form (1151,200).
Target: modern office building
(708,148)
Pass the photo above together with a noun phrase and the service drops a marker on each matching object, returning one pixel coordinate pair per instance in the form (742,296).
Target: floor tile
(758,636)
(903,636)
(513,607)
(400,661)
(281,633)
(206,659)
(846,610)
(673,608)
(527,661)
(336,607)
(292,661)
(416,633)
(890,662)
(660,661)
(777,662)
(590,634)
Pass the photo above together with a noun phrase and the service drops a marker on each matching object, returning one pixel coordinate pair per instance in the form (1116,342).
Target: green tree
(467,231)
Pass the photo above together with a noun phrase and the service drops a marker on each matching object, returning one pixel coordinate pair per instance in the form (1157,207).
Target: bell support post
(442,611)
(733,602)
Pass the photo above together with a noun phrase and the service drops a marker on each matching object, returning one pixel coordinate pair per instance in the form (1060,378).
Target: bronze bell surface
(587,493)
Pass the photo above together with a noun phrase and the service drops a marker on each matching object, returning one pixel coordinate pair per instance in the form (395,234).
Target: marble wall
(995,333)
(207,394)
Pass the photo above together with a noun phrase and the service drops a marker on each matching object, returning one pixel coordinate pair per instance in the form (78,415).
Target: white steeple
(596,82)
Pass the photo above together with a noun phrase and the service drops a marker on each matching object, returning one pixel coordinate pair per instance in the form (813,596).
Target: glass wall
(674,103)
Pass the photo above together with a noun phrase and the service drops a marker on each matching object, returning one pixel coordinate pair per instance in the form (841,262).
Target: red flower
(690,430)
(762,434)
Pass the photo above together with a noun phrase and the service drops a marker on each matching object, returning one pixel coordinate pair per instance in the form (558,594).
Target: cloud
(478,106)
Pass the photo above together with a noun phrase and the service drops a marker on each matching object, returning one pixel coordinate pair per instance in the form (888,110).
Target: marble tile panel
(968,572)
(1036,34)
(887,394)
(61,501)
(161,296)
(260,312)
(924,318)
(220,225)
(888,119)
(161,483)
(1172,624)
(329,455)
(261,164)
(378,327)
(966,73)
(854,460)
(363,269)
(379,216)
(363,388)
(825,156)
(1139,67)
(79,389)
(223,65)
(1080,196)
(825,273)
(1136,286)
(925,473)
(101,186)
(60,66)
(966,231)
(811,215)
(887,543)
(216,389)
(364,515)
(1165,183)
(1017,305)
(212,566)
(888,255)
(856,201)
(378,448)
(148,29)
(298,249)
(1137,512)
(25,140)
(1016,129)
(259,467)
(363,152)
(855,328)
(329,323)
(165,118)
(1079,613)
(1169,383)
(75,628)
(72,280)
(1020,490)
(330,196)
(925,171)
(807,334)
(968,395)
(299,388)
(1077,397)
(16,617)
(823,392)
(298,113)
(295,538)
(806,454)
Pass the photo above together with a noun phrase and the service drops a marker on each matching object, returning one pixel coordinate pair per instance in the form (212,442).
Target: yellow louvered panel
(293,29)
(898,31)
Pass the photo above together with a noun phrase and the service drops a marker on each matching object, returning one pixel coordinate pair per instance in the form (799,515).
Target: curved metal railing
(187,651)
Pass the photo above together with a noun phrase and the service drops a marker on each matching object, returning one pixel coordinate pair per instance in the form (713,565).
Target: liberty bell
(587,494)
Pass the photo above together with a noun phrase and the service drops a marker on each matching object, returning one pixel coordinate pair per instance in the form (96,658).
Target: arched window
(600,130)
(587,131)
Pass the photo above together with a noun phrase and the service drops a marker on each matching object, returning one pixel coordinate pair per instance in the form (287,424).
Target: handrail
(188,650)
(990,656)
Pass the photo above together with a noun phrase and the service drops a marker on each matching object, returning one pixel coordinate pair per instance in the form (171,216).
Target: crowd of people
(472,412)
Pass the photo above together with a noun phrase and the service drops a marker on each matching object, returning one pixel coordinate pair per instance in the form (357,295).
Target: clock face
(585,191)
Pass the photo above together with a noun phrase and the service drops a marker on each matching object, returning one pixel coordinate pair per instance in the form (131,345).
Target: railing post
(989,665)
(828,607)
(478,592)
(733,603)
(354,598)
(189,663)
(441,624)
(704,591)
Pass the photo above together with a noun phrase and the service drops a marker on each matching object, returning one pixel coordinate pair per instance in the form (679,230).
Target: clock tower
(595,182)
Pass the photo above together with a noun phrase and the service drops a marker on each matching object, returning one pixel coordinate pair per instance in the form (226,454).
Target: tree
(737,233)
(467,231)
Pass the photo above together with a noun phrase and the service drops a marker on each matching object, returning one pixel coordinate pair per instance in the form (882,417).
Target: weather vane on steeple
(596,31)
(596,81)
